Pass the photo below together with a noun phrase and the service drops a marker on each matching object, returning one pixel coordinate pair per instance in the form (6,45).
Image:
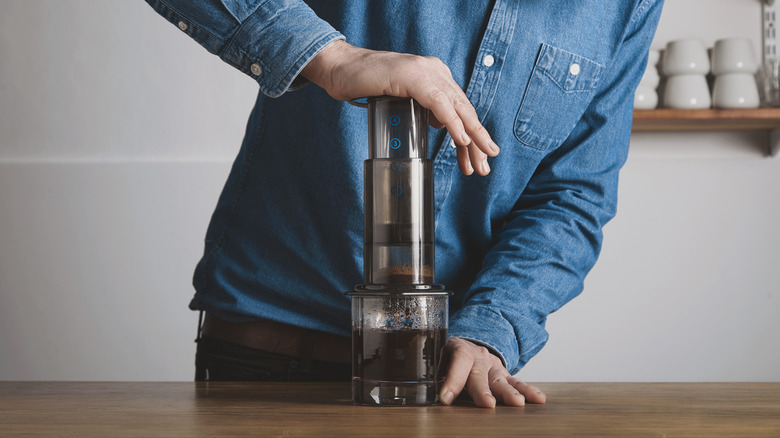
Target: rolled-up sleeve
(553,236)
(269,40)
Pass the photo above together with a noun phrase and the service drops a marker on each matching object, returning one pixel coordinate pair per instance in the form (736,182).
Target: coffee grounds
(404,274)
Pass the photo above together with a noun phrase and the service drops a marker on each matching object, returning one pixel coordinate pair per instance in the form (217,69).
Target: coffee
(402,355)
(404,274)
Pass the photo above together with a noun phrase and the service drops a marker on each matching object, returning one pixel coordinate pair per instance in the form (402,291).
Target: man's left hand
(481,373)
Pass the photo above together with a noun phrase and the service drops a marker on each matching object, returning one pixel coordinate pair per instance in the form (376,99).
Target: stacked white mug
(685,66)
(646,96)
(734,65)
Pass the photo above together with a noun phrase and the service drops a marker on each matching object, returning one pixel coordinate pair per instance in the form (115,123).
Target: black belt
(280,338)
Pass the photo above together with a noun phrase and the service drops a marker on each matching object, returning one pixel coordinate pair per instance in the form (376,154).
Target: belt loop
(200,326)
(306,350)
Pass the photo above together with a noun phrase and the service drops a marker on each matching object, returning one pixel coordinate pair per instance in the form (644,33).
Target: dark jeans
(217,360)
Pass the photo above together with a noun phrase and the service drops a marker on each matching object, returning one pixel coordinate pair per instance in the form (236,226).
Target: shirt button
(183,25)
(574,69)
(488,60)
(256,69)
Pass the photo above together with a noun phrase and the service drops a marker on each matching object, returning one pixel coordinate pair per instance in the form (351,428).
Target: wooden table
(325,409)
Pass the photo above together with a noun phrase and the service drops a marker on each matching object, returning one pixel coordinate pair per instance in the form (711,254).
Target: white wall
(116,135)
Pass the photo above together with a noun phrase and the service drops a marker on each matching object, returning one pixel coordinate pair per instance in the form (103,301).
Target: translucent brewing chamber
(398,231)
(399,316)
(398,203)
(397,341)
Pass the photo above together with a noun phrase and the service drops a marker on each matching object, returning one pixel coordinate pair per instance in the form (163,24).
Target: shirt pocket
(561,87)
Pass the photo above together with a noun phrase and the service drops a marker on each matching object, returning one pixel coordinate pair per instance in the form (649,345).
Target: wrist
(320,69)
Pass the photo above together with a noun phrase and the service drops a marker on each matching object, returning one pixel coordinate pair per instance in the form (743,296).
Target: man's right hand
(348,72)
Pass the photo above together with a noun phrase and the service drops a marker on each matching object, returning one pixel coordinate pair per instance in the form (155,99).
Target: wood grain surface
(324,409)
(664,119)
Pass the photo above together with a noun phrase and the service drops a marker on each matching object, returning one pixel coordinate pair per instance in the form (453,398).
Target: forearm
(553,236)
(270,41)
(538,264)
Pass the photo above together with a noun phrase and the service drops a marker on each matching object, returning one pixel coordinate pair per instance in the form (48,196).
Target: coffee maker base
(387,393)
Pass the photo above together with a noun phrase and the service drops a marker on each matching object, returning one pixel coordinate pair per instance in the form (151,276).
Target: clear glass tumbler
(397,342)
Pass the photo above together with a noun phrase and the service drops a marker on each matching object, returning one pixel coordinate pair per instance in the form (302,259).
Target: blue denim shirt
(551,80)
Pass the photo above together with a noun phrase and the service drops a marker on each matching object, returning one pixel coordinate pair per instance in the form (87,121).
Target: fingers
(471,159)
(479,388)
(482,144)
(479,161)
(460,364)
(433,121)
(531,393)
(430,95)
(503,390)
(468,366)
(464,161)
(468,115)
(451,108)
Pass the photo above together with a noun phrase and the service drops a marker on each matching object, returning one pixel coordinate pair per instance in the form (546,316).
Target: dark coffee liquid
(397,355)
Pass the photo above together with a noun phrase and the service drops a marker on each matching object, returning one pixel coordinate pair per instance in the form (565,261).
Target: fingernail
(496,149)
(447,398)
(469,169)
(485,167)
(465,138)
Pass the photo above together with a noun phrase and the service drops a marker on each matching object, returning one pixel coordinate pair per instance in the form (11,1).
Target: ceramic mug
(651,77)
(686,56)
(735,90)
(645,97)
(734,55)
(653,57)
(687,92)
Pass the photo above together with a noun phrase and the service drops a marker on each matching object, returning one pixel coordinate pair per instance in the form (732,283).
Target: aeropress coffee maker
(399,317)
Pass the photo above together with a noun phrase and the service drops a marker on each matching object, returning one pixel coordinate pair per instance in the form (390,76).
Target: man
(551,82)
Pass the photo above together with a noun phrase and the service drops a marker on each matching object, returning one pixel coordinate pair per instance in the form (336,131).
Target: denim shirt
(551,80)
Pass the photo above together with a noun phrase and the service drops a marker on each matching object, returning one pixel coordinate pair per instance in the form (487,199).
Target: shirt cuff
(276,42)
(488,328)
